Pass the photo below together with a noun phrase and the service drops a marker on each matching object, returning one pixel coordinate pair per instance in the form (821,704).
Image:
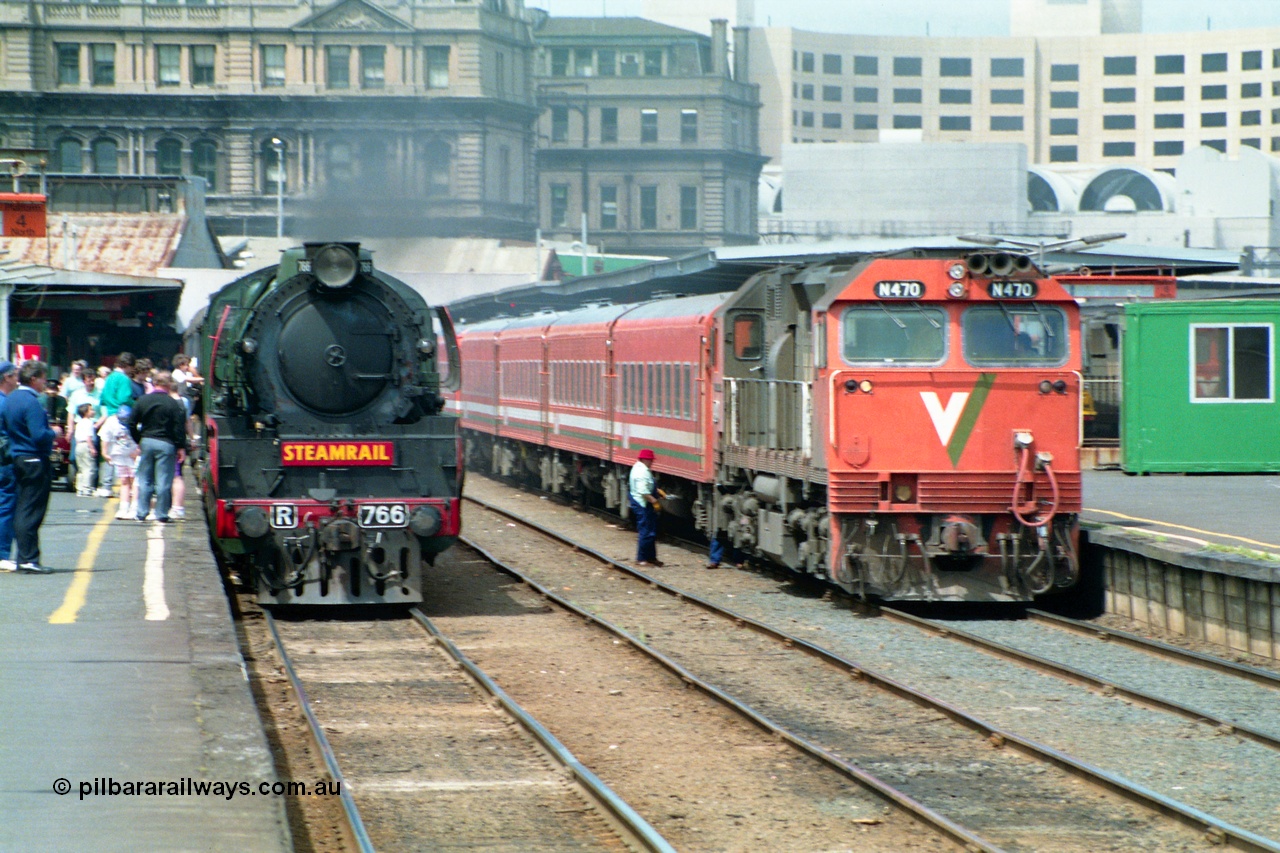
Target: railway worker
(8,482)
(31,442)
(644,505)
(159,425)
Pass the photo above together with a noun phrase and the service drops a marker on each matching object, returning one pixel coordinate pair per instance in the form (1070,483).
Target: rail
(1220,832)
(773,413)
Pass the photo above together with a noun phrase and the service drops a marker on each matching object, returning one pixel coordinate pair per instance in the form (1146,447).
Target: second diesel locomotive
(907,426)
(332,473)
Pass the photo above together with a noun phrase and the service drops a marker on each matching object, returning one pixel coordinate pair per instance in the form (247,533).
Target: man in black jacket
(159,425)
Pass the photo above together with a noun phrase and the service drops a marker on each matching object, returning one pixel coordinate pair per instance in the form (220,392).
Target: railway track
(1224,687)
(1153,805)
(430,754)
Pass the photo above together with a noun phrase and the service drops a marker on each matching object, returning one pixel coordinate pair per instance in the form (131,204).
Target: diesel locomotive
(907,426)
(332,472)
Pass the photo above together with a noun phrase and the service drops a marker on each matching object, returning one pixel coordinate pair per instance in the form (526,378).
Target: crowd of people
(128,427)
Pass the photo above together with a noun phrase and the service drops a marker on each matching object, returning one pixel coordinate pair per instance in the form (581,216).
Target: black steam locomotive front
(332,474)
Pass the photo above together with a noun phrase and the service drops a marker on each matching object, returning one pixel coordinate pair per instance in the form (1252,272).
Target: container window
(1232,363)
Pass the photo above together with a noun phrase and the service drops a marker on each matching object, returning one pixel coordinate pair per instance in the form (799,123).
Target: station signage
(22,215)
(331,454)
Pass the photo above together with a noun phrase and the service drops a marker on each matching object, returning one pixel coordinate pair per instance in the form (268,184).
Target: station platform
(1224,513)
(124,702)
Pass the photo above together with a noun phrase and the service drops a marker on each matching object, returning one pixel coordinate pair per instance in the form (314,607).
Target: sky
(947,17)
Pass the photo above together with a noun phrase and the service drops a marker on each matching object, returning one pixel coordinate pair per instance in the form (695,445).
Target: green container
(1200,387)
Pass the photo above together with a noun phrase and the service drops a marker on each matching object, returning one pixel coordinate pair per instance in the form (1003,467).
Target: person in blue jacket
(8,484)
(31,442)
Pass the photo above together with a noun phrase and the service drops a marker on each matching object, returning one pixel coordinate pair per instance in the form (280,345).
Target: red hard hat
(645,454)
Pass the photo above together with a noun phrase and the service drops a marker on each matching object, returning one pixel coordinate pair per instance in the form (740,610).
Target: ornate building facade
(648,133)
(411,117)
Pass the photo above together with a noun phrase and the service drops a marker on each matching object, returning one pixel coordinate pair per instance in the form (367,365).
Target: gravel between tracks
(704,778)
(1226,696)
(1237,781)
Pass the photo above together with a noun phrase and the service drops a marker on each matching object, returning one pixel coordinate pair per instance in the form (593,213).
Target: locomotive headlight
(252,522)
(426,346)
(865,386)
(248,346)
(957,290)
(335,265)
(956,271)
(425,521)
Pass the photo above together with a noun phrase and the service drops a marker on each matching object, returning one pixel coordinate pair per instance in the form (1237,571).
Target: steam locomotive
(332,473)
(907,426)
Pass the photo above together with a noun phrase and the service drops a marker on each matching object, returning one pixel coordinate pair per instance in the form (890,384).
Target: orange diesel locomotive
(907,426)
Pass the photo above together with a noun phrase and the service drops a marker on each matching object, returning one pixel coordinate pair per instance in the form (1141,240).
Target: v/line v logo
(955,420)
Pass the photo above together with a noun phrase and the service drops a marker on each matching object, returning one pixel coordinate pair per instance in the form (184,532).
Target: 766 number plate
(383,515)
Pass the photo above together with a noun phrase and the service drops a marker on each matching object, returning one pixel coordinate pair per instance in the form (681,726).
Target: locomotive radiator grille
(850,492)
(952,492)
(990,492)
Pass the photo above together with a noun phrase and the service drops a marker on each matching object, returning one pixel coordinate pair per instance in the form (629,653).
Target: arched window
(204,162)
(106,159)
(1040,195)
(68,157)
(275,166)
(437,158)
(168,157)
(1140,189)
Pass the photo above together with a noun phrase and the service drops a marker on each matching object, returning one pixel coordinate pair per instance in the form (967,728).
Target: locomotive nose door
(336,355)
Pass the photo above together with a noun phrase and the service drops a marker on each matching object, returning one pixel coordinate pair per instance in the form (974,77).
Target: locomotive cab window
(894,334)
(748,337)
(1017,335)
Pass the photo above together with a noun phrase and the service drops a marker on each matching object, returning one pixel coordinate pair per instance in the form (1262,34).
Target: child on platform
(82,447)
(122,451)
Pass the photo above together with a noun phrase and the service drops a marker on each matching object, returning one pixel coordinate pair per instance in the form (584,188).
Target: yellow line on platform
(1183,527)
(76,593)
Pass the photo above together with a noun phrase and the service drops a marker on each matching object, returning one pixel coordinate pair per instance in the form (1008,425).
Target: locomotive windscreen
(335,354)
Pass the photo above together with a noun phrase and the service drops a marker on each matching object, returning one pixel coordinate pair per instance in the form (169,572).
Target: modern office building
(1076,81)
(645,130)
(361,117)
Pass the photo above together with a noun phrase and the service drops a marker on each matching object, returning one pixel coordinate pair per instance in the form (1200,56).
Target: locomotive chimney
(719,47)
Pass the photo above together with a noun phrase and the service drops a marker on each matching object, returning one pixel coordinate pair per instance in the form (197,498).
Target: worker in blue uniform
(31,442)
(8,484)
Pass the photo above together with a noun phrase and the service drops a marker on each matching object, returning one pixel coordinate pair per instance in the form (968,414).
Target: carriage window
(1021,335)
(898,333)
(1231,363)
(748,337)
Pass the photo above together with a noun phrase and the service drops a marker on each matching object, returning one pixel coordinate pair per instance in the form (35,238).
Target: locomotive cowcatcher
(332,474)
(907,426)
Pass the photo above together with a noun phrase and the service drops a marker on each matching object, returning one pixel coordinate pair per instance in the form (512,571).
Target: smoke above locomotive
(333,473)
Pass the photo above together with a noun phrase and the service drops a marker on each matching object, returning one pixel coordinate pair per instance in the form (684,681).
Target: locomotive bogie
(340,551)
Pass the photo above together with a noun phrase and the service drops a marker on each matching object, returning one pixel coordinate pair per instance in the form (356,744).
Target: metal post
(6,290)
(584,243)
(279,146)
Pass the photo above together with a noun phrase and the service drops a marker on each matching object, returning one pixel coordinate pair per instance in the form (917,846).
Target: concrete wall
(1230,601)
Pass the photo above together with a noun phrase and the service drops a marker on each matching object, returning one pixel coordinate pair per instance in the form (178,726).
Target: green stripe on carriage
(969,416)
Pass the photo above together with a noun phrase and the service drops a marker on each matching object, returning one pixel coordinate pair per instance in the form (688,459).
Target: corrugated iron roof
(135,244)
